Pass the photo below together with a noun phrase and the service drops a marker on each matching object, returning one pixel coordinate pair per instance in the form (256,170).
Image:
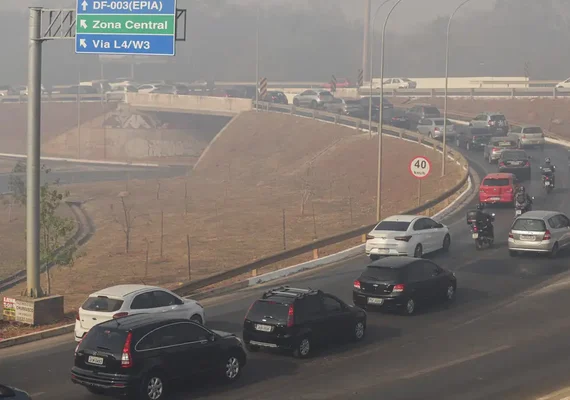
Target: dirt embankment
(322,177)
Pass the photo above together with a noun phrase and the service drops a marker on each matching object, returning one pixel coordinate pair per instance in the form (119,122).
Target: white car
(147,88)
(407,235)
(122,300)
(564,84)
(399,83)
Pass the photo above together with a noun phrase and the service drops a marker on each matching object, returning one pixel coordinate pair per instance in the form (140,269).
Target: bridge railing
(68,98)
(254,268)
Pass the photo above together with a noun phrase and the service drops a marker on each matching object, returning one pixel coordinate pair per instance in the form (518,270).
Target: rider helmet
(547,160)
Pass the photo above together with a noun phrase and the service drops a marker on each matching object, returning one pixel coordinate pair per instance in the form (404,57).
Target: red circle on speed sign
(420,167)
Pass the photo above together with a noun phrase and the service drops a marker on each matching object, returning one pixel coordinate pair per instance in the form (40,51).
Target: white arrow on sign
(84,5)
(82,43)
(83,24)
(420,167)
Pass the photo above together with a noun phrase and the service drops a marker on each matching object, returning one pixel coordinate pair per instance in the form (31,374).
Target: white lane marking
(455,362)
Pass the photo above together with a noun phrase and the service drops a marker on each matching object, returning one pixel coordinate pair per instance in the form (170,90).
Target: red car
(340,83)
(498,188)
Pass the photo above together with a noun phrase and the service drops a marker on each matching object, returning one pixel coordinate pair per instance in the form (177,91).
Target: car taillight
(357,284)
(120,315)
(290,316)
(248,310)
(368,237)
(77,347)
(475,229)
(496,149)
(126,359)
(501,164)
(527,164)
(398,288)
(524,136)
(436,129)
(510,235)
(490,122)
(77,316)
(403,238)
(547,235)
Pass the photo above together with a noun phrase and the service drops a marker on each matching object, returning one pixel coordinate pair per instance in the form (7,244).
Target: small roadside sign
(420,167)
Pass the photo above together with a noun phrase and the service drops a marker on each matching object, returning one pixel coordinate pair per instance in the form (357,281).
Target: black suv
(473,139)
(403,283)
(140,355)
(300,319)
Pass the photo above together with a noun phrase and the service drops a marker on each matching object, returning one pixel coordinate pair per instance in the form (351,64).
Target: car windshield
(400,226)
(533,129)
(104,338)
(527,224)
(431,110)
(496,182)
(325,94)
(381,273)
(102,304)
(270,310)
(514,155)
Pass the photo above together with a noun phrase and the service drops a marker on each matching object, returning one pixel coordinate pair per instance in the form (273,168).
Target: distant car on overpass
(340,83)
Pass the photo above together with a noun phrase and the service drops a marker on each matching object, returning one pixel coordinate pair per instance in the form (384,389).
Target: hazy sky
(408,15)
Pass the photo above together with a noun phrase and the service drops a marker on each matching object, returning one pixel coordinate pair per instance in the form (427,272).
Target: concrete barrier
(199,104)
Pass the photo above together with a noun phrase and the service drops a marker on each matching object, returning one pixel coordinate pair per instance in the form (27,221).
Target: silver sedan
(433,127)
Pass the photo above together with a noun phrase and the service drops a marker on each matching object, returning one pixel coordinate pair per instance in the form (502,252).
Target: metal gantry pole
(33,161)
(257,60)
(379,187)
(366,73)
(444,141)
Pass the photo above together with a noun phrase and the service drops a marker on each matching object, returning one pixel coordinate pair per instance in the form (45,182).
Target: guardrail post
(293,110)
(554,92)
(315,254)
(336,119)
(358,125)
(401,133)
(432,92)
(364,237)
(471,93)
(253,273)
(513,93)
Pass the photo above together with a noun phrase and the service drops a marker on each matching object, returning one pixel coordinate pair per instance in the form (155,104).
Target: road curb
(82,161)
(32,337)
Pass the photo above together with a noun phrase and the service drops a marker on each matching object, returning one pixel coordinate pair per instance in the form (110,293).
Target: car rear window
(400,226)
(534,129)
(267,309)
(104,338)
(496,182)
(431,110)
(325,94)
(439,122)
(527,224)
(497,118)
(381,273)
(102,304)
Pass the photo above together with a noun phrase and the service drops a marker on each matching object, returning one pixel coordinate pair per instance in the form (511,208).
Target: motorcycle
(521,208)
(480,237)
(547,183)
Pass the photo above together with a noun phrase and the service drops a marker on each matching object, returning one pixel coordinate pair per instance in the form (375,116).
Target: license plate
(95,360)
(263,328)
(547,183)
(475,236)
(495,198)
(527,237)
(382,251)
(374,300)
(518,212)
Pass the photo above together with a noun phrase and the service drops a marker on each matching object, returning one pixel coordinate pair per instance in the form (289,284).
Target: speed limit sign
(420,167)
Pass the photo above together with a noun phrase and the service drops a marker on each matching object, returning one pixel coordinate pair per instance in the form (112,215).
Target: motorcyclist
(548,169)
(483,220)
(522,199)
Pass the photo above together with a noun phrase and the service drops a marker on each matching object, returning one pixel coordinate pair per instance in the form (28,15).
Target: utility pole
(365,46)
(33,162)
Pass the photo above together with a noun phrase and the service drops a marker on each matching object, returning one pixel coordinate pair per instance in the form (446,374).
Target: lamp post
(257,60)
(379,186)
(444,141)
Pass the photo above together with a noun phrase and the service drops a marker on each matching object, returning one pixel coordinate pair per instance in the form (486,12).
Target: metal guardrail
(67,98)
(253,267)
(473,93)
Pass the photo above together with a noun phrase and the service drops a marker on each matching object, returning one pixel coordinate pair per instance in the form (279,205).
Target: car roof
(393,262)
(402,218)
(538,214)
(135,321)
(491,113)
(528,126)
(499,175)
(123,290)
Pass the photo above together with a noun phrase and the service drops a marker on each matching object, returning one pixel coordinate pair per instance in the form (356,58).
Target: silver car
(337,106)
(539,232)
(528,135)
(433,127)
(496,146)
(313,98)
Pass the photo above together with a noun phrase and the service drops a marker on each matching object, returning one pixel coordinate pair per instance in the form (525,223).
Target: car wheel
(251,347)
(446,243)
(152,387)
(450,293)
(296,102)
(232,368)
(418,251)
(513,253)
(554,251)
(410,307)
(359,331)
(430,135)
(196,318)
(303,348)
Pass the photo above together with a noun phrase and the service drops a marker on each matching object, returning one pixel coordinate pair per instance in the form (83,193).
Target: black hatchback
(299,320)
(403,283)
(515,162)
(141,355)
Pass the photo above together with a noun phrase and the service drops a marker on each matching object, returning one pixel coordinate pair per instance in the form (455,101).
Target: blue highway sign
(126,27)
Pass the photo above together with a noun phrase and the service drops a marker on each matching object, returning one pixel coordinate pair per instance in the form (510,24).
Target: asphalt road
(499,340)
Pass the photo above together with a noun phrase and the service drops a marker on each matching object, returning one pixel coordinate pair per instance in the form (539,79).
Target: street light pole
(444,141)
(257,60)
(366,41)
(379,186)
(371,69)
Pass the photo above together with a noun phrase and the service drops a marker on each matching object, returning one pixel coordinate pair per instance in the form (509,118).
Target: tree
(127,221)
(54,231)
(16,184)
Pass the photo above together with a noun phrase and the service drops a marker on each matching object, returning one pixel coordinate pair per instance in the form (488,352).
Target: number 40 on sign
(420,167)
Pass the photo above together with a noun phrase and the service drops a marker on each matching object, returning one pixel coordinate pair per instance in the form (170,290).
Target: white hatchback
(122,300)
(407,235)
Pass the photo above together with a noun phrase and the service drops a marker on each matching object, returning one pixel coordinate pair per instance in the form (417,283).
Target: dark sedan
(403,283)
(275,96)
(515,162)
(11,393)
